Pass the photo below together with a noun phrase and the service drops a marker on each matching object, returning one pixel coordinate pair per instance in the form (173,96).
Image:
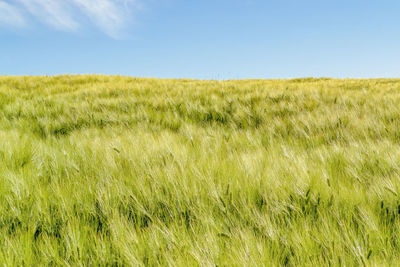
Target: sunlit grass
(98,170)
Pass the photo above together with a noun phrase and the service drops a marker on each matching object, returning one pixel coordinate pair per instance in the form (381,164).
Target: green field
(107,170)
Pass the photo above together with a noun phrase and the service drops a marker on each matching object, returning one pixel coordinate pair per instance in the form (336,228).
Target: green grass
(99,170)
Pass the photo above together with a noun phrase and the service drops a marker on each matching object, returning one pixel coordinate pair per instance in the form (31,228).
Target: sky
(201,39)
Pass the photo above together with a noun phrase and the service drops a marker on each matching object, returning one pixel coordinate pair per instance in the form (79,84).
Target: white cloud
(110,16)
(10,15)
(56,13)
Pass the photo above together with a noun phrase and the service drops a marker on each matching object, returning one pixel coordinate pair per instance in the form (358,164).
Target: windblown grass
(98,170)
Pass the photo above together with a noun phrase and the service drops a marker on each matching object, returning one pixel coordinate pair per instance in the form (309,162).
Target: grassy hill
(101,170)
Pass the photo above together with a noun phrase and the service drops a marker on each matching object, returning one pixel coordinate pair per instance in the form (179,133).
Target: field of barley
(120,171)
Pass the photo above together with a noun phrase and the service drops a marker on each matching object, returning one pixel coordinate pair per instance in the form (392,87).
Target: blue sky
(205,39)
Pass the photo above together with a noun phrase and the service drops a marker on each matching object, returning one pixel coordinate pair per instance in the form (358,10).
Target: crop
(109,170)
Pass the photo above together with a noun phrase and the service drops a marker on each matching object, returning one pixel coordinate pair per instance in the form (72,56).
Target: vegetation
(101,170)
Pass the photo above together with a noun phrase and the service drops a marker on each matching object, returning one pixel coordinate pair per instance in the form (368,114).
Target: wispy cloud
(110,16)
(53,12)
(10,15)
